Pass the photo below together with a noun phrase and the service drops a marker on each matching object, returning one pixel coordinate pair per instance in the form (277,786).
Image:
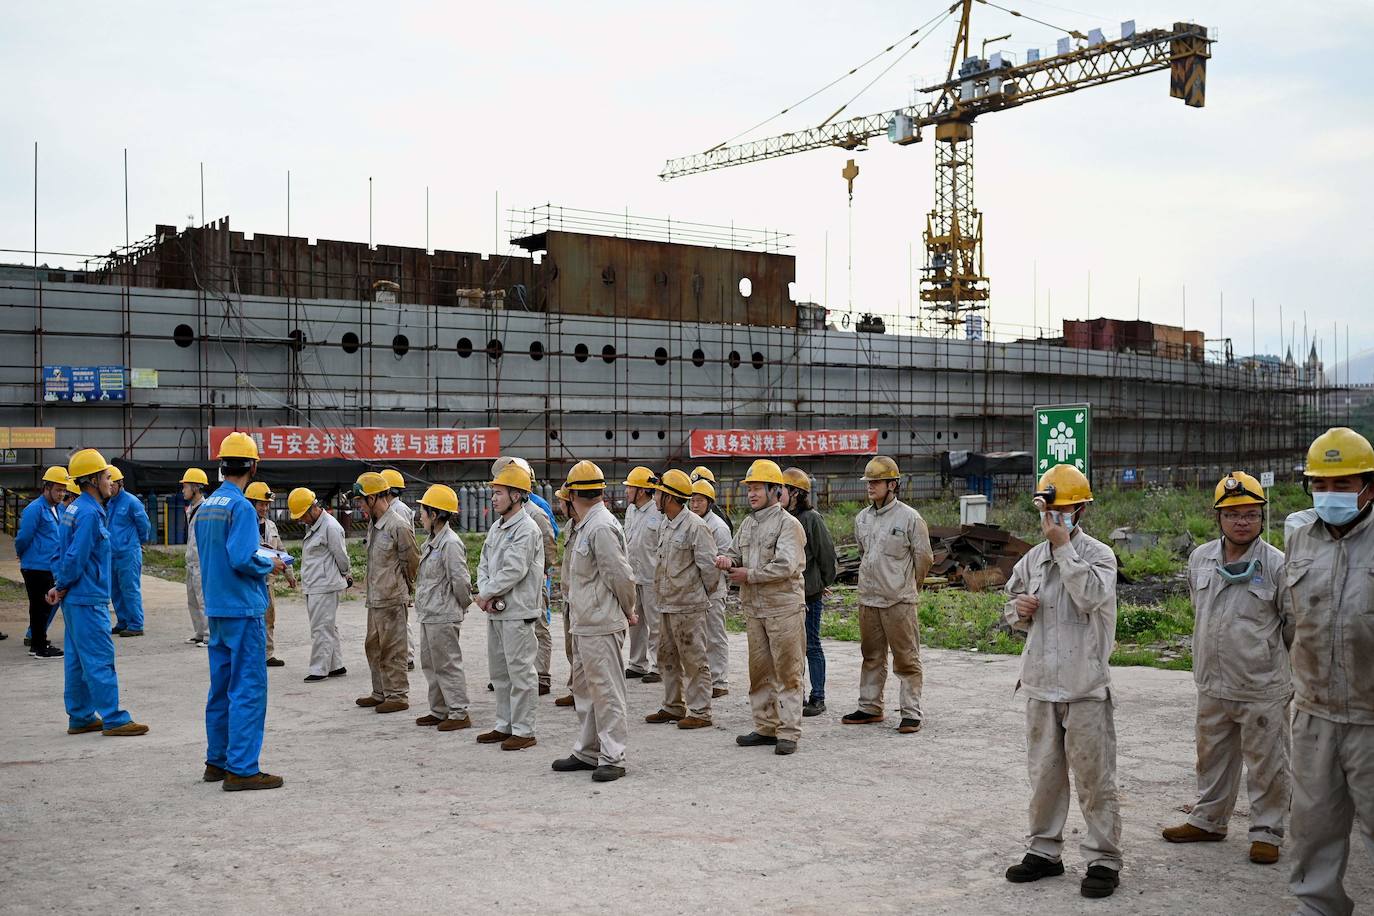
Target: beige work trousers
(544,655)
(385,647)
(718,644)
(895,629)
(511,650)
(682,662)
(441,659)
(1078,737)
(567,641)
(1230,732)
(644,635)
(1333,784)
(325,652)
(777,646)
(598,686)
(195,603)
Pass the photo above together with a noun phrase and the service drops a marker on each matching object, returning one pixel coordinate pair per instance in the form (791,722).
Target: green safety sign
(1062,434)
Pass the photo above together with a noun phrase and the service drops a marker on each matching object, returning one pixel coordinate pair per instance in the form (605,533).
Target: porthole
(580,353)
(183,335)
(349,342)
(297,338)
(400,345)
(956,435)
(608,354)
(634,434)
(608,275)
(494,348)
(609,434)
(553,434)
(661,356)
(662,434)
(536,351)
(698,357)
(757,360)
(939,435)
(746,287)
(733,359)
(464,347)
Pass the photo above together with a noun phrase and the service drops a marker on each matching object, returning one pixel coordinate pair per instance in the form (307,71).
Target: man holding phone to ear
(1063,597)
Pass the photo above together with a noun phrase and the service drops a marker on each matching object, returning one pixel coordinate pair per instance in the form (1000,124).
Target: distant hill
(1361,369)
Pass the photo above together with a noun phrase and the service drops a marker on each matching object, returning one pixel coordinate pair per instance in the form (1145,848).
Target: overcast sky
(1264,194)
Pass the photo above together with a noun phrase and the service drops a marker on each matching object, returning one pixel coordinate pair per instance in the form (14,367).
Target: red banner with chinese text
(366,443)
(769,443)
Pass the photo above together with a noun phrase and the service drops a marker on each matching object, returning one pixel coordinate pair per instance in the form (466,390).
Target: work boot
(718,692)
(632,673)
(1187,833)
(116,630)
(544,690)
(453,725)
(653,677)
(392,706)
(1033,868)
(813,708)
(123,633)
(571,764)
(660,717)
(607,773)
(492,737)
(1262,853)
(127,730)
(785,747)
(368,701)
(213,774)
(314,678)
(564,701)
(338,672)
(859,717)
(519,742)
(272,662)
(909,727)
(47,652)
(234,783)
(693,722)
(1100,881)
(428,720)
(491,686)
(96,726)
(410,665)
(754,739)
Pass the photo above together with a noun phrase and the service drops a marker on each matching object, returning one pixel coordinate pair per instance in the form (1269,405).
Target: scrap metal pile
(975,557)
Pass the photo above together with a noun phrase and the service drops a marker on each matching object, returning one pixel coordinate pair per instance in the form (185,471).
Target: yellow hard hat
(704,488)
(585,476)
(1064,485)
(881,467)
(440,497)
(370,483)
(238,445)
(796,477)
(764,471)
(1238,489)
(258,492)
(1338,452)
(116,474)
(86,463)
(55,474)
(298,501)
(640,477)
(195,475)
(562,493)
(72,488)
(676,483)
(514,476)
(702,472)
(393,479)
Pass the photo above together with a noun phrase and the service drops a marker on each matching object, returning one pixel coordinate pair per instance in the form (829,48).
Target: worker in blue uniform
(82,584)
(233,578)
(130,529)
(36,544)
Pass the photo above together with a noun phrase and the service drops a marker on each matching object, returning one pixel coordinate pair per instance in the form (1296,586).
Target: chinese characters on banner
(768,443)
(307,443)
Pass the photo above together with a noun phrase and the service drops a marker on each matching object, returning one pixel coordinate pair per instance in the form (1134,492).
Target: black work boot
(1033,868)
(813,708)
(1100,881)
(754,739)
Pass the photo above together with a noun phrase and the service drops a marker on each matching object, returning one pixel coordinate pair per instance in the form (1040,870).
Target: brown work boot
(1262,853)
(518,742)
(660,717)
(564,701)
(1187,833)
(428,720)
(234,783)
(368,701)
(693,722)
(452,725)
(127,730)
(718,692)
(392,706)
(213,774)
(86,729)
(492,737)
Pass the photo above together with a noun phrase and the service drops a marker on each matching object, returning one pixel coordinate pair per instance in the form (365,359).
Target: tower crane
(954,284)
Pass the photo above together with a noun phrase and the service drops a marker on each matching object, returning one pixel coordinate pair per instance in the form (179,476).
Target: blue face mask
(1337,508)
(1065,517)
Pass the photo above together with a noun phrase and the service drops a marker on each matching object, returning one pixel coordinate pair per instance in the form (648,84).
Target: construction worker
(1328,590)
(81,583)
(766,561)
(442,594)
(392,560)
(642,522)
(37,544)
(896,556)
(193,484)
(397,482)
(261,497)
(818,576)
(1240,666)
(510,584)
(233,574)
(601,594)
(1063,596)
(564,504)
(542,513)
(325,575)
(717,639)
(700,473)
(685,574)
(130,529)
